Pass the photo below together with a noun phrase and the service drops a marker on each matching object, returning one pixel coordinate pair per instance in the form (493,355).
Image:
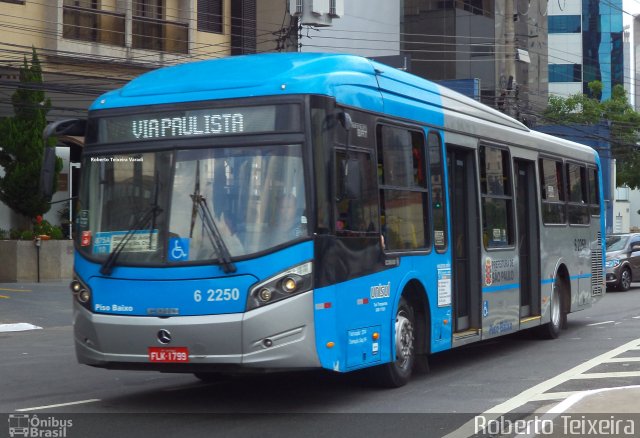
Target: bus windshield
(206,204)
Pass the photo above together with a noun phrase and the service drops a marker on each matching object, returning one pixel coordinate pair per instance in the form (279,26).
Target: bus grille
(597,284)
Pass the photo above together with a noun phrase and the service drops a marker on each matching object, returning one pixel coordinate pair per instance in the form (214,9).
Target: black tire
(551,330)
(625,280)
(398,373)
(212,377)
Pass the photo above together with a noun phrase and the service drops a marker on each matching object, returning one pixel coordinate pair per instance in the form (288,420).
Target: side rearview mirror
(635,246)
(70,127)
(345,120)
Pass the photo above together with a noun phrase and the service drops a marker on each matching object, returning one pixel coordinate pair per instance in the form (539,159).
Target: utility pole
(510,57)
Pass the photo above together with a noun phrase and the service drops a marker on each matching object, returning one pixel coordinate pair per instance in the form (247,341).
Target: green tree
(22,146)
(622,119)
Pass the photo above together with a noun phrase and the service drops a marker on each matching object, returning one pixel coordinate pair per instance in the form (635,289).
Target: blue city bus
(296,211)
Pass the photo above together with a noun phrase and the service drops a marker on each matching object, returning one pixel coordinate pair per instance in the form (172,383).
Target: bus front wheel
(398,372)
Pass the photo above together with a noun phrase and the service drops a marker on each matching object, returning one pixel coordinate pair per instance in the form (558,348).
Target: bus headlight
(290,283)
(265,294)
(81,292)
(283,285)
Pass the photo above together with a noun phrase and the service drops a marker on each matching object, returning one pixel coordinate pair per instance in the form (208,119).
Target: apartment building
(87,47)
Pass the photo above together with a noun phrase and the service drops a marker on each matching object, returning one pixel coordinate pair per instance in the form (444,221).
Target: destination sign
(186,126)
(196,123)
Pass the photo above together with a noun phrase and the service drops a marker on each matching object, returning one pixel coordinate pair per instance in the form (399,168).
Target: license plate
(168,354)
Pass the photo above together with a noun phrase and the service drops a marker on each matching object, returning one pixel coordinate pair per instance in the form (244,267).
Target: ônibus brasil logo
(32,426)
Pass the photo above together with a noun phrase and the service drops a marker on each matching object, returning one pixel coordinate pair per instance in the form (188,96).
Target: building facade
(87,47)
(503,44)
(586,43)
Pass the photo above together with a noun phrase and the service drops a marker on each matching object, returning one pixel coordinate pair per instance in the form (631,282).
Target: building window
(477,7)
(210,16)
(80,18)
(148,9)
(565,24)
(565,73)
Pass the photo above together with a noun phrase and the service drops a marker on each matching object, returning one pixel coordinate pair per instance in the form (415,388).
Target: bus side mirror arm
(70,127)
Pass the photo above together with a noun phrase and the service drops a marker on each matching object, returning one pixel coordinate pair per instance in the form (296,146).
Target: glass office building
(595,29)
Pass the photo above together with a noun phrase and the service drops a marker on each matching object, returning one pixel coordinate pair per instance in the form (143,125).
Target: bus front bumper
(280,335)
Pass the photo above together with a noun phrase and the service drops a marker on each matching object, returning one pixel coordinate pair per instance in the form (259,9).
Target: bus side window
(356,216)
(552,189)
(438,208)
(497,197)
(404,193)
(594,192)
(577,209)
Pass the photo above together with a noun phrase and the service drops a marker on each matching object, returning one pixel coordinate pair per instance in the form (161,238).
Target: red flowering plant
(43,229)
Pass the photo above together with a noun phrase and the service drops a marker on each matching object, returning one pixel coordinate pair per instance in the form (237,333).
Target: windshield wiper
(217,241)
(147,217)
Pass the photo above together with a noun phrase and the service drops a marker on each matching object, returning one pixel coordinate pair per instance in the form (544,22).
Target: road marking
(565,405)
(80,402)
(543,387)
(614,374)
(636,317)
(4,296)
(18,327)
(531,394)
(600,323)
(554,395)
(14,290)
(623,359)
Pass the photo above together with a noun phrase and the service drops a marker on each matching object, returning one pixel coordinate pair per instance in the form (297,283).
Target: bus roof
(353,80)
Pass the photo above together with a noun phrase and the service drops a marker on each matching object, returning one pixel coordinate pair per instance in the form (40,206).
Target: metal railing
(104,27)
(93,25)
(161,35)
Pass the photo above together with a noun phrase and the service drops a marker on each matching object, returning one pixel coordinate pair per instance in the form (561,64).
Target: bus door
(463,193)
(528,237)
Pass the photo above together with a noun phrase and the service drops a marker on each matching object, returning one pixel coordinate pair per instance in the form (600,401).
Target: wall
(20,260)
(367,28)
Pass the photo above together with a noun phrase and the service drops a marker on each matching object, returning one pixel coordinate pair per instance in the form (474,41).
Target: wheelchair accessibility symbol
(178,249)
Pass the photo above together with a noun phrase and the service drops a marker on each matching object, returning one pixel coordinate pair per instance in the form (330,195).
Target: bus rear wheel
(398,372)
(551,330)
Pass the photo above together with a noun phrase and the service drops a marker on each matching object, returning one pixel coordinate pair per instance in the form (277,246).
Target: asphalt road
(519,374)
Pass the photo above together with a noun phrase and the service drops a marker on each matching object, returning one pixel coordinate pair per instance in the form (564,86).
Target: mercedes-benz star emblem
(164,337)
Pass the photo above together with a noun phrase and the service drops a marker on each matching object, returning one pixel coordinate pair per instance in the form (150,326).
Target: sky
(631,8)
